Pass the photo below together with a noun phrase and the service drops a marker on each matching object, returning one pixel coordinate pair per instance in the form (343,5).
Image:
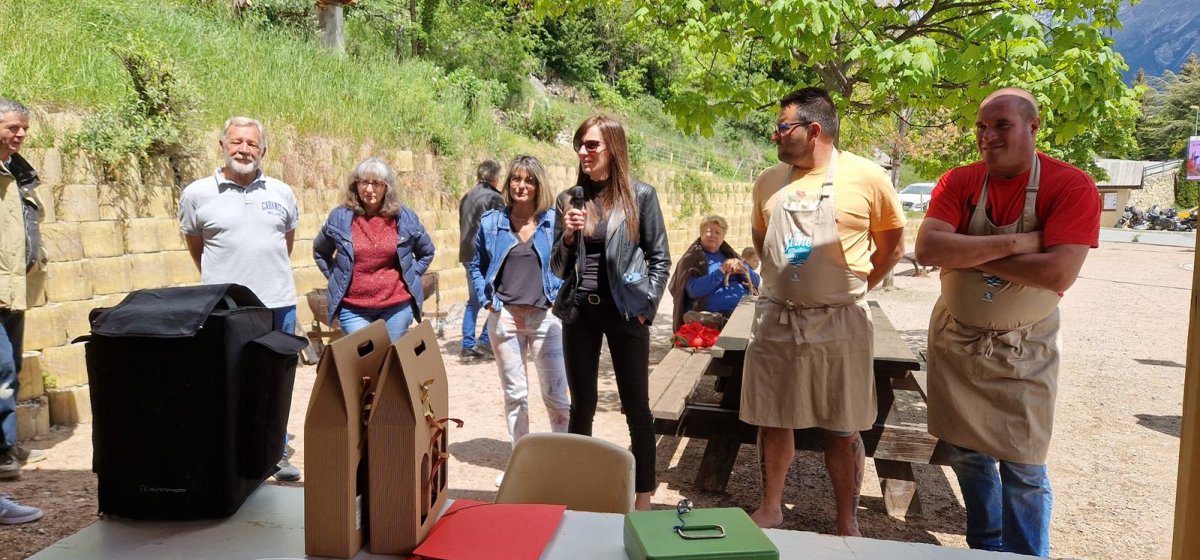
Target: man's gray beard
(239,167)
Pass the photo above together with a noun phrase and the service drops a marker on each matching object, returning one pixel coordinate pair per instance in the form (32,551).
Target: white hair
(246,121)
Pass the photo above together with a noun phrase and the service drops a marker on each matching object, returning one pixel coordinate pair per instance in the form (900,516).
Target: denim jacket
(333,249)
(492,244)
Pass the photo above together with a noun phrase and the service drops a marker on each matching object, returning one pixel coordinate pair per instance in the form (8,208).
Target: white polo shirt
(243,231)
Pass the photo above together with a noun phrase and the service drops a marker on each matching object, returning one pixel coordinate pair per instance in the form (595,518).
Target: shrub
(542,123)
(152,122)
(693,191)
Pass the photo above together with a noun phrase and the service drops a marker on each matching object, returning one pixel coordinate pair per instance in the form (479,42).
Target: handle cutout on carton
(366,348)
(419,348)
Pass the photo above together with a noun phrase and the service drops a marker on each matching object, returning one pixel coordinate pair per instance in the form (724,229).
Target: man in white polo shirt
(240,224)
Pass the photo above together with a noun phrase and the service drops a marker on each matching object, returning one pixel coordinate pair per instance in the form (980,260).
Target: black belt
(594,299)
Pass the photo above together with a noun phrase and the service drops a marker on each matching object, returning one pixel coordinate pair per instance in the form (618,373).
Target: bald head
(1024,101)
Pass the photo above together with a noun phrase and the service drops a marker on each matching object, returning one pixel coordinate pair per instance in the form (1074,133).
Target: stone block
(77,203)
(67,281)
(158,174)
(310,224)
(148,271)
(70,406)
(105,238)
(75,316)
(181,269)
(404,161)
(302,254)
(111,275)
(159,202)
(30,378)
(62,241)
(33,419)
(169,236)
(65,365)
(51,169)
(141,235)
(44,327)
(111,203)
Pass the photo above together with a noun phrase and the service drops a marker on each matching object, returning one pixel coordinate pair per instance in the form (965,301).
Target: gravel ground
(1113,460)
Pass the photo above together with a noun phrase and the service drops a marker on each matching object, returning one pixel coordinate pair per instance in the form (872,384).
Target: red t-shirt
(1068,203)
(376,282)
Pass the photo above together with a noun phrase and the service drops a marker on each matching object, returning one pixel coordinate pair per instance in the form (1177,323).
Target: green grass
(56,53)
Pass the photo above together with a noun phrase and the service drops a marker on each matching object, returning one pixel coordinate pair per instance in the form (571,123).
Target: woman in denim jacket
(511,278)
(373,250)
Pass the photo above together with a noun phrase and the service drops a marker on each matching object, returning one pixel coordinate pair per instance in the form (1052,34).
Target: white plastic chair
(584,473)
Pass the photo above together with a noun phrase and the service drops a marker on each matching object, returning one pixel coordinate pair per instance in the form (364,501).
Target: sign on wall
(1110,201)
(1193,159)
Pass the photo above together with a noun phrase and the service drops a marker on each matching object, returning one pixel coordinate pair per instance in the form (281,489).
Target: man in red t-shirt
(1011,233)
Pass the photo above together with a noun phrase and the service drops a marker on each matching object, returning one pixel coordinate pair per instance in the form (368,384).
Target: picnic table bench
(898,439)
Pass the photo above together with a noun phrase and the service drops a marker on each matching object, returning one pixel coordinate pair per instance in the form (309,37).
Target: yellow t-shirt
(863,198)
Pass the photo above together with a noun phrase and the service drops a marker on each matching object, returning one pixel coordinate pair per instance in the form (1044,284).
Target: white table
(270,526)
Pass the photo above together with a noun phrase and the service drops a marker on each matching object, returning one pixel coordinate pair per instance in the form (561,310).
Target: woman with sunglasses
(610,249)
(511,278)
(373,250)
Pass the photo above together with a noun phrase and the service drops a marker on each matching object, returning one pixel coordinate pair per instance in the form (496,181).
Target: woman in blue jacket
(373,250)
(511,278)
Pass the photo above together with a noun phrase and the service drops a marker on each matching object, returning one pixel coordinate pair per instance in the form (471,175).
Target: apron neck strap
(1029,221)
(830,171)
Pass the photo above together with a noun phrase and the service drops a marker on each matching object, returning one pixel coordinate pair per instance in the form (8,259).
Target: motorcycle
(1134,218)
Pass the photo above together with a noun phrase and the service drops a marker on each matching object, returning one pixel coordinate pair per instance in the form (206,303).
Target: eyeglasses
(592,146)
(531,181)
(373,184)
(783,128)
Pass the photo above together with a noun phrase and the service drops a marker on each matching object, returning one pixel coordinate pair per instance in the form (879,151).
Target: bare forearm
(955,250)
(881,264)
(756,238)
(195,246)
(1040,270)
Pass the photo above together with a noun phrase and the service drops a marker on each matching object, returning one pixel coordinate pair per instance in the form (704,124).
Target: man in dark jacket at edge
(22,276)
(485,196)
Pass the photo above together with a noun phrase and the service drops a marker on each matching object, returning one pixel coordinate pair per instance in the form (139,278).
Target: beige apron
(809,358)
(993,353)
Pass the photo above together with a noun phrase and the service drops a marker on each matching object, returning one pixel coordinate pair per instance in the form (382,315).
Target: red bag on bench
(695,335)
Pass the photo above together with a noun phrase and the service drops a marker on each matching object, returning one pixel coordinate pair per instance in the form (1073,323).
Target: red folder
(471,530)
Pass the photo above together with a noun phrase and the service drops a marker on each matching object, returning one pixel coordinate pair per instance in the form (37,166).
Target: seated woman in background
(511,278)
(373,250)
(710,279)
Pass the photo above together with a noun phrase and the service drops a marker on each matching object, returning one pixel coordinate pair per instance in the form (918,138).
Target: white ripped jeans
(517,331)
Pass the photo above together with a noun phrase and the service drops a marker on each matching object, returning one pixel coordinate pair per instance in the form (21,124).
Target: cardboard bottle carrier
(377,427)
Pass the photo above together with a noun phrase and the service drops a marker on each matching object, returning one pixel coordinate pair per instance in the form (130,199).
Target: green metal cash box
(687,534)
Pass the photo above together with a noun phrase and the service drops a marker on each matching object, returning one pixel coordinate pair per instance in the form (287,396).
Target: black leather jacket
(637,273)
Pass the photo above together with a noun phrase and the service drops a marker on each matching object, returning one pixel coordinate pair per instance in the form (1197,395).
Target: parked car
(915,197)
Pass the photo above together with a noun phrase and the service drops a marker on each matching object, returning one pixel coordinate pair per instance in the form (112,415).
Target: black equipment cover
(191,389)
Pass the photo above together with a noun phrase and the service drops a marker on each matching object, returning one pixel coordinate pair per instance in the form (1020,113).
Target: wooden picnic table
(898,439)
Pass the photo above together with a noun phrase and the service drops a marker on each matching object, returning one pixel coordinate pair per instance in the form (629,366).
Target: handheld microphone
(577,197)
(576,193)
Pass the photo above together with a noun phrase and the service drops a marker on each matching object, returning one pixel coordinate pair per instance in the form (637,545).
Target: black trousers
(629,345)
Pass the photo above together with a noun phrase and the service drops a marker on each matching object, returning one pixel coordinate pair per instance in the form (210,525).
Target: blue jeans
(285,318)
(470,317)
(397,317)
(12,333)
(1008,504)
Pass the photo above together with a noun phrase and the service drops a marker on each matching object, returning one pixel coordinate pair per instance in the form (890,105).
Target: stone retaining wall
(106,237)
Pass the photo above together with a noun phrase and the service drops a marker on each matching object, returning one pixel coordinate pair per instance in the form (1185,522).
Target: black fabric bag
(191,389)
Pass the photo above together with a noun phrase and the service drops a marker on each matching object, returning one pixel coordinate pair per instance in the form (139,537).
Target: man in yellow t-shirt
(828,226)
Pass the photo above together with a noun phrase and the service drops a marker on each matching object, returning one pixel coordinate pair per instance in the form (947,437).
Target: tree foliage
(1168,115)
(929,59)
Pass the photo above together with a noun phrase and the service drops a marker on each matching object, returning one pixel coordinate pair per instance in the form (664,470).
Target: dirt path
(1112,464)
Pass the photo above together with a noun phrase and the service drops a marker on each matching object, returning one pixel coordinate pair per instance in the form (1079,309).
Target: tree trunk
(331,24)
(896,153)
